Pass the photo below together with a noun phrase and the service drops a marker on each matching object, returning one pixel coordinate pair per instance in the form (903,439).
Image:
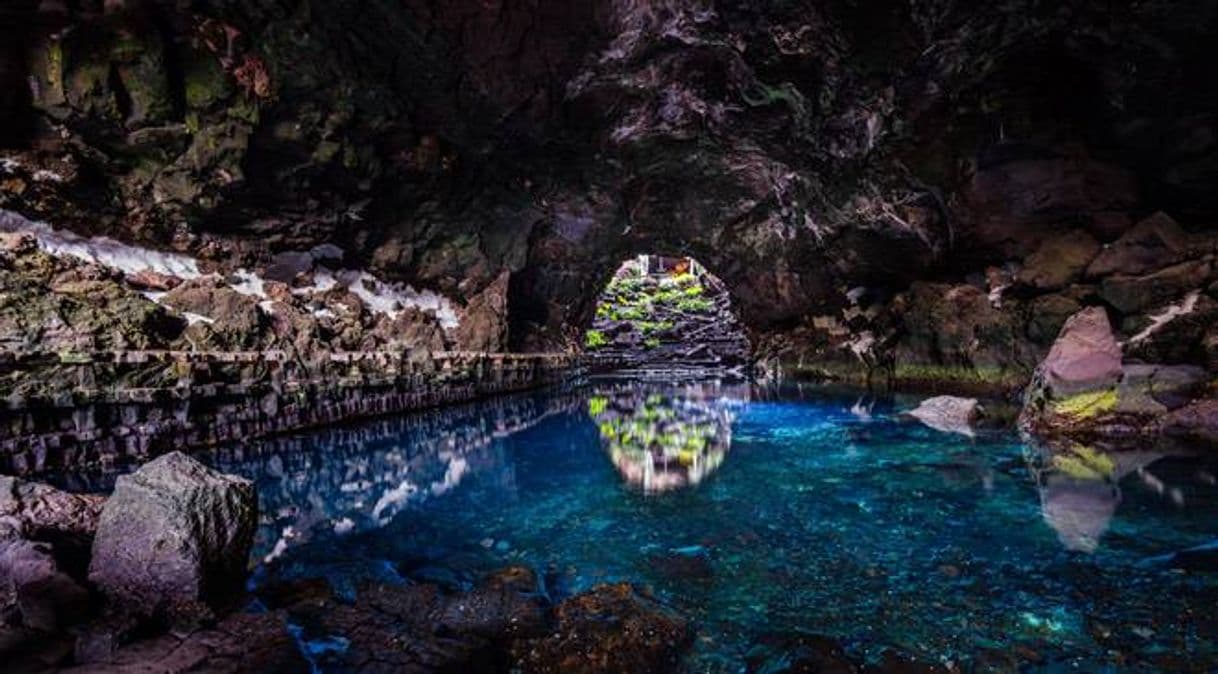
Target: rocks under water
(825,538)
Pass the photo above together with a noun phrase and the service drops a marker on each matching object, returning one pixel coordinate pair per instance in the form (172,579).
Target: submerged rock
(174,538)
(239,643)
(611,628)
(948,414)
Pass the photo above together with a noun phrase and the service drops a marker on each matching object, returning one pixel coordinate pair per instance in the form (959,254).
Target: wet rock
(611,628)
(509,604)
(798,654)
(690,563)
(398,628)
(1059,260)
(239,643)
(174,538)
(949,414)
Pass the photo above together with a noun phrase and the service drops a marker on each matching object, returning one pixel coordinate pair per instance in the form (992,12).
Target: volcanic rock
(174,538)
(949,414)
(611,628)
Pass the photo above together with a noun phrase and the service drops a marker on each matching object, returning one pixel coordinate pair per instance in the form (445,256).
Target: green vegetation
(653,306)
(595,339)
(1087,405)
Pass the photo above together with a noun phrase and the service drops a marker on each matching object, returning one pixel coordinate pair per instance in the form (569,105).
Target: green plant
(595,339)
(651,342)
(695,305)
(597,405)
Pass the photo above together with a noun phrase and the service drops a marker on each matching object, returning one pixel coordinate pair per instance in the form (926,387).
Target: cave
(608,336)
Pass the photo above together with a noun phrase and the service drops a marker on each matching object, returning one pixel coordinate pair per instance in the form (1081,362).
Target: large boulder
(1153,243)
(610,628)
(1135,294)
(949,414)
(1059,260)
(1085,356)
(174,538)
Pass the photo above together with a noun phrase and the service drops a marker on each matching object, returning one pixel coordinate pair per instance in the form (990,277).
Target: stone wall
(236,396)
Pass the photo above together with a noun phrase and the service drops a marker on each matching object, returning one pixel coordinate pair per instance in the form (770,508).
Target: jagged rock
(228,319)
(46,513)
(949,414)
(1085,356)
(484,324)
(1154,243)
(1173,334)
(610,628)
(240,643)
(955,332)
(35,593)
(1059,260)
(174,538)
(1156,389)
(1134,294)
(1194,426)
(1047,315)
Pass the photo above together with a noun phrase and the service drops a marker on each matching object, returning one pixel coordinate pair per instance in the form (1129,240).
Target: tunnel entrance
(660,313)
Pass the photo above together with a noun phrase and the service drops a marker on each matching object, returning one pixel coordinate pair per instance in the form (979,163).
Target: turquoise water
(767,511)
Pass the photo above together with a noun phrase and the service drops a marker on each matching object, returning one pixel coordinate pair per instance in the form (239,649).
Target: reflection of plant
(651,342)
(661,442)
(1084,463)
(595,339)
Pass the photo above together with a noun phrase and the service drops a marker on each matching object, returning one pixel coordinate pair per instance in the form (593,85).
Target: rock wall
(902,192)
(232,397)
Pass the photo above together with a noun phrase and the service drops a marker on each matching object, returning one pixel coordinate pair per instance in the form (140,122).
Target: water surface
(768,511)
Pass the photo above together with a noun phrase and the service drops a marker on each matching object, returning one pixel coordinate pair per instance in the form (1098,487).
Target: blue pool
(762,511)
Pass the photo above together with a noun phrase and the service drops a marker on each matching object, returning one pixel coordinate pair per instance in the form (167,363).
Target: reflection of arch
(660,438)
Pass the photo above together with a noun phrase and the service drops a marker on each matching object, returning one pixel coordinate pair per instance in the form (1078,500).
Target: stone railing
(91,409)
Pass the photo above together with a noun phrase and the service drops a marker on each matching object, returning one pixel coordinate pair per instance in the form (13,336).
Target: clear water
(762,511)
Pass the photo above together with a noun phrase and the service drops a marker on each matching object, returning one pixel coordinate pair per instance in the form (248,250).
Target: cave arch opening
(665,313)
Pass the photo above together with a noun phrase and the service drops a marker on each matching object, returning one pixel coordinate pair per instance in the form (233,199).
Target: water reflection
(1081,487)
(350,479)
(662,437)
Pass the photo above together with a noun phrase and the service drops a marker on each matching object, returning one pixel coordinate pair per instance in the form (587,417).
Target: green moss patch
(1087,405)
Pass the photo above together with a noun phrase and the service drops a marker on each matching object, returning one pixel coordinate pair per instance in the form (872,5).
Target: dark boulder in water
(240,643)
(611,628)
